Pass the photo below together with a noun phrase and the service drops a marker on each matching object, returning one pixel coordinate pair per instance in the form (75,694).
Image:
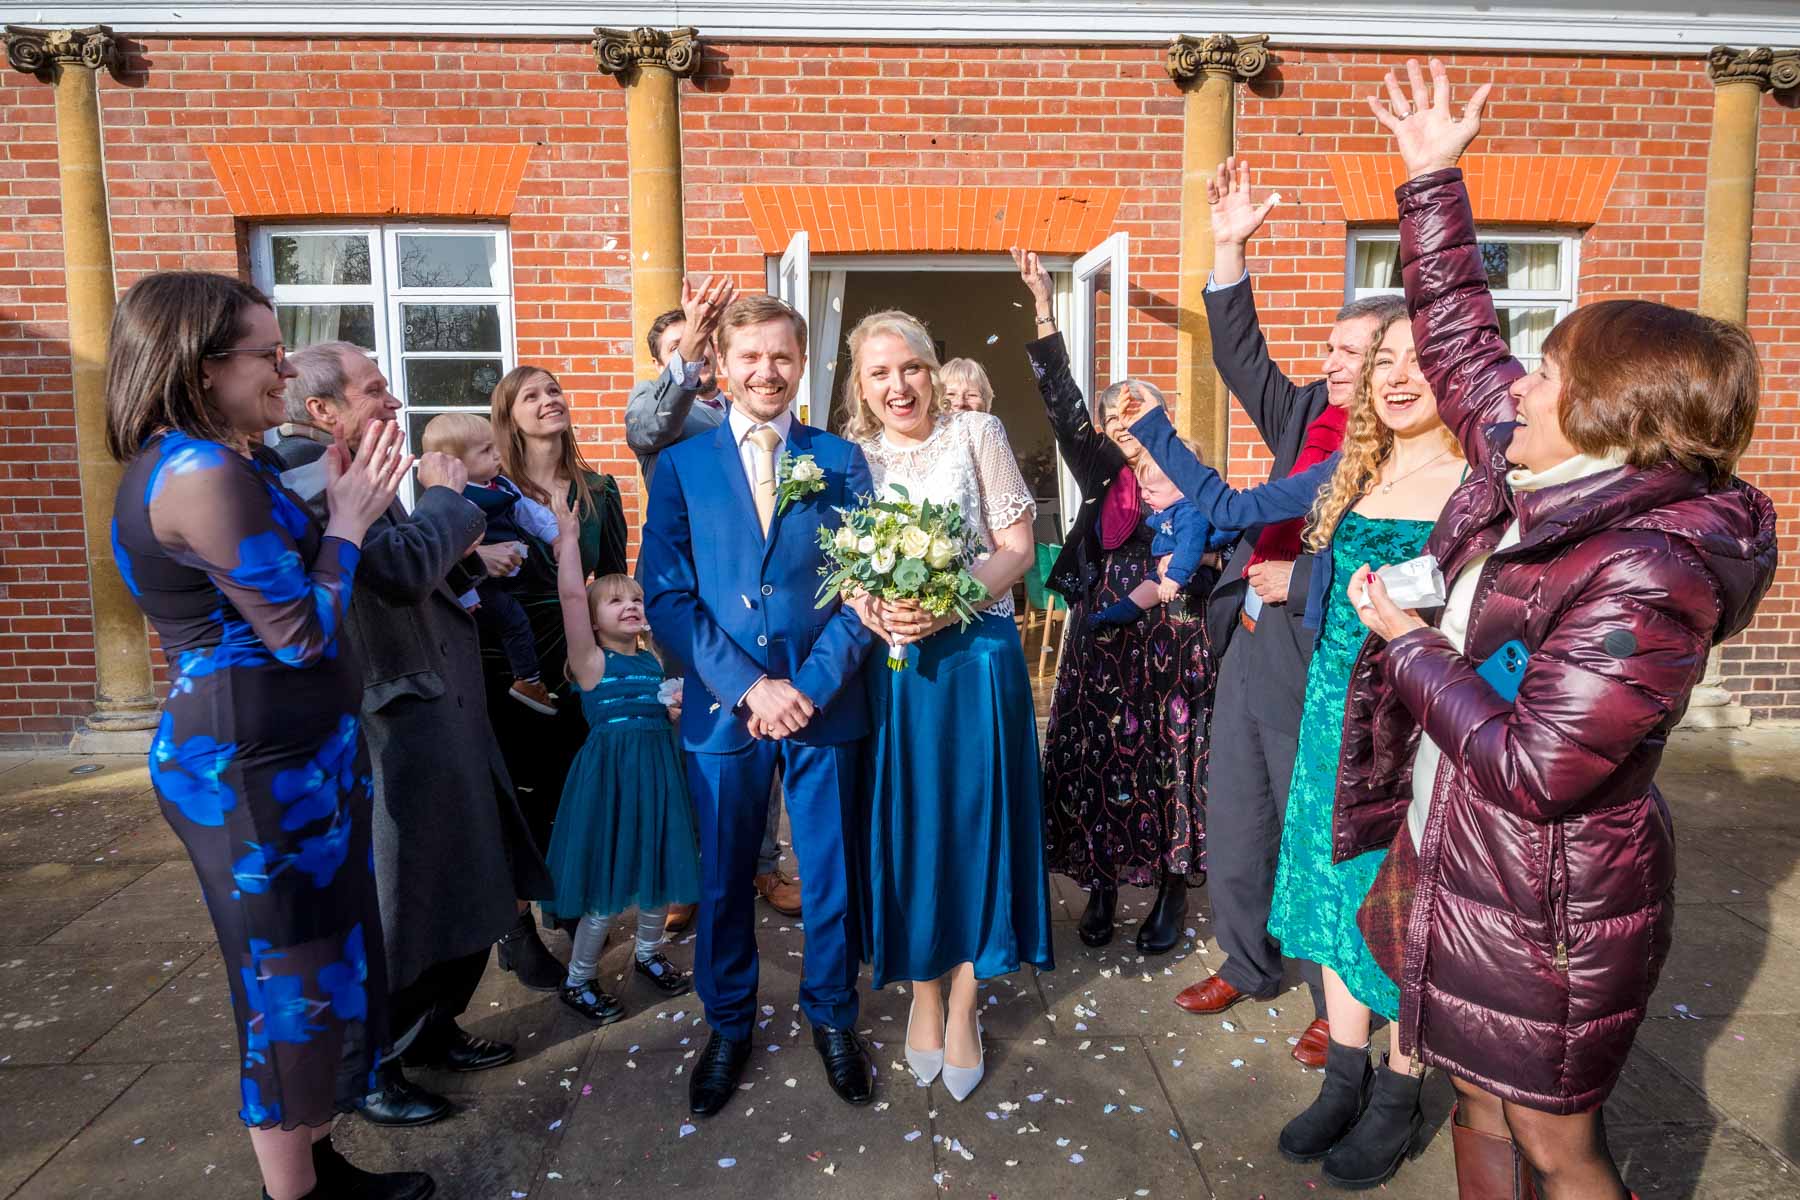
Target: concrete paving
(118,1059)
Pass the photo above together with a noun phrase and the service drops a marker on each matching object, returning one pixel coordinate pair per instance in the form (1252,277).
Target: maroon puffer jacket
(1543,911)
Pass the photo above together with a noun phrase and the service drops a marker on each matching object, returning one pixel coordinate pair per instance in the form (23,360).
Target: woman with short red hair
(1599,549)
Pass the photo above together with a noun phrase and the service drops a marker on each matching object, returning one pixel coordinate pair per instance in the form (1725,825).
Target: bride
(959,886)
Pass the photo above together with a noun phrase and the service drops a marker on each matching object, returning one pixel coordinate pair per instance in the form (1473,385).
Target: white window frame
(1562,299)
(385,295)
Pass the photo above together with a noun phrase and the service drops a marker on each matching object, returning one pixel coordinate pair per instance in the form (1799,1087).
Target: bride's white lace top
(966,460)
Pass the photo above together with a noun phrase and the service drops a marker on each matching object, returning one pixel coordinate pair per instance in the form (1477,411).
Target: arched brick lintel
(925,220)
(1534,189)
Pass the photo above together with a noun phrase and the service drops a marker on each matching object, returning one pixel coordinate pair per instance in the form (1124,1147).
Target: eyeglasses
(274,355)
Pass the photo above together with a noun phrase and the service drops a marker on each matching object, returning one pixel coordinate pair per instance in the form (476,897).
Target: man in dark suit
(452,851)
(1256,613)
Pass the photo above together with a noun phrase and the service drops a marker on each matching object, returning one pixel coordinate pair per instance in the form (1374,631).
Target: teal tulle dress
(1313,914)
(624,834)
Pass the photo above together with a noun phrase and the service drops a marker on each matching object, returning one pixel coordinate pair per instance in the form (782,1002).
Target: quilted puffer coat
(1543,912)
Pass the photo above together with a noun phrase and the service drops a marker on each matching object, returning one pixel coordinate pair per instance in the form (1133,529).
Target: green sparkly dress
(1313,914)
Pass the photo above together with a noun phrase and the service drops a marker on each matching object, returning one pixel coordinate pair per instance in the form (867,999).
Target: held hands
(778,709)
(359,490)
(1375,609)
(906,622)
(1428,136)
(1167,590)
(1270,581)
(1036,279)
(1235,216)
(438,469)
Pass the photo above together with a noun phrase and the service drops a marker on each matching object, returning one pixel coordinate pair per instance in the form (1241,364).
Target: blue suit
(733,606)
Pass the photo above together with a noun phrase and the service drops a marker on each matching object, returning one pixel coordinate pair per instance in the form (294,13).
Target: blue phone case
(1504,668)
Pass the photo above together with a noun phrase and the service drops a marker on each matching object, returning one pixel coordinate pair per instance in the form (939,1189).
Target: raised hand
(568,523)
(1235,214)
(438,469)
(1036,279)
(1133,404)
(703,309)
(1428,135)
(359,490)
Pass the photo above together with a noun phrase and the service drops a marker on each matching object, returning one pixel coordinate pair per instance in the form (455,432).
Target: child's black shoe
(667,978)
(592,1003)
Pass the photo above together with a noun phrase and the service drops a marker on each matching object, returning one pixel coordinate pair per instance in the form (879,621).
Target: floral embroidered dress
(956,827)
(260,765)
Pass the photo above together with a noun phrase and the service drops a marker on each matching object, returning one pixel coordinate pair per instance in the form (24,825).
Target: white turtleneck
(1455,622)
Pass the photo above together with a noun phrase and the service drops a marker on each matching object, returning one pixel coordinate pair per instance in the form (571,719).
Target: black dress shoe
(1162,929)
(592,1003)
(1096,926)
(664,975)
(343,1180)
(523,953)
(846,1064)
(397,1101)
(458,1050)
(715,1077)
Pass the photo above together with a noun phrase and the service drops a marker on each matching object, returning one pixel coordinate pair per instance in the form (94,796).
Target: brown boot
(680,918)
(1488,1166)
(782,893)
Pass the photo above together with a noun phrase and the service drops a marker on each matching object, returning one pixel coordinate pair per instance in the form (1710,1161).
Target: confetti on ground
(1227,1026)
(1237,1063)
(555,1125)
(914,1136)
(1076,1159)
(728,1162)
(687,1129)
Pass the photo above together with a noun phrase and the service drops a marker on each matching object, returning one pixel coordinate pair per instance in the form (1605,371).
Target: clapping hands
(1428,135)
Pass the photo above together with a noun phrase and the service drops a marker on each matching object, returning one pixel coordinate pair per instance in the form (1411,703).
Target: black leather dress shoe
(1163,926)
(1096,928)
(459,1050)
(398,1101)
(716,1073)
(846,1064)
(344,1180)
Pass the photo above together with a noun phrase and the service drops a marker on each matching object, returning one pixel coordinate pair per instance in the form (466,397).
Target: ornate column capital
(1770,70)
(44,51)
(1239,59)
(622,51)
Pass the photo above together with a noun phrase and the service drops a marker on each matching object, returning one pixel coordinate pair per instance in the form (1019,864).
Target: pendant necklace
(1389,485)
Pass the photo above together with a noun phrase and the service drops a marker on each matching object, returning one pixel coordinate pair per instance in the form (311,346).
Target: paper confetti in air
(992,338)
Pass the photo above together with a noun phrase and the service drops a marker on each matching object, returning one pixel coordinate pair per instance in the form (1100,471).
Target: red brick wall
(839,115)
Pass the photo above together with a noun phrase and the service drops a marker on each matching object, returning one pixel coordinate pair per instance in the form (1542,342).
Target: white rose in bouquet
(882,560)
(866,544)
(846,538)
(940,552)
(914,542)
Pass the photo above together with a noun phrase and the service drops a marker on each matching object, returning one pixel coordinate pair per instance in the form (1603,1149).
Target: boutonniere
(796,478)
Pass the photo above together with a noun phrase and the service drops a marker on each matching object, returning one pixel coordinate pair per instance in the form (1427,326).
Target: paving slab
(1722,964)
(150,840)
(796,1142)
(489,1148)
(76,828)
(188,1020)
(56,1001)
(43,1108)
(1701,875)
(164,905)
(1743,1064)
(174,1132)
(1711,1163)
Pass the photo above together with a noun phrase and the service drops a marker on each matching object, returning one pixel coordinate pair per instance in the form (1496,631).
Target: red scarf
(1119,512)
(1280,542)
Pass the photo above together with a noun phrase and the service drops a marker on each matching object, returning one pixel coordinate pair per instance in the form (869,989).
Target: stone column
(650,63)
(1208,71)
(69,59)
(1740,77)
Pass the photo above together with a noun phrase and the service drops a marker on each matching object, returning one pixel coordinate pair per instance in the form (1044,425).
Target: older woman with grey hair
(1126,749)
(966,386)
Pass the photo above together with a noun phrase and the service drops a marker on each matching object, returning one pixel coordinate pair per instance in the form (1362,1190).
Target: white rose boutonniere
(796,478)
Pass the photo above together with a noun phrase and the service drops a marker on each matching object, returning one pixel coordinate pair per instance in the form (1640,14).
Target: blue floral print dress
(260,765)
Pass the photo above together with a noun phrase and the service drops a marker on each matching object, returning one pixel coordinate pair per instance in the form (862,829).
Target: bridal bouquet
(896,549)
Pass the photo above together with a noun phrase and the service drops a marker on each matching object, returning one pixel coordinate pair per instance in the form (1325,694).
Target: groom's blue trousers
(731,794)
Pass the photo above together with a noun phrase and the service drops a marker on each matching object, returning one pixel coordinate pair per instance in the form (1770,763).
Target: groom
(770,687)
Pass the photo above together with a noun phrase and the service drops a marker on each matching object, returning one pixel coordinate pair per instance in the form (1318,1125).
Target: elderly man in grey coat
(452,851)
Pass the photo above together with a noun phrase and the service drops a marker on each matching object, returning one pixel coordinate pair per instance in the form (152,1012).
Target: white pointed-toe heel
(960,1081)
(924,1063)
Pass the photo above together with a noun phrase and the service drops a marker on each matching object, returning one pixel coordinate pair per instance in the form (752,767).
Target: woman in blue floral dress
(259,760)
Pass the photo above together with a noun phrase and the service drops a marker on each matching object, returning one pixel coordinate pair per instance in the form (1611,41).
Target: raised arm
(587,661)
(1465,359)
(658,408)
(1214,499)
(1093,460)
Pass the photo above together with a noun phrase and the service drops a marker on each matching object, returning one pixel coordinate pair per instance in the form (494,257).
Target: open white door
(793,279)
(1097,311)
(825,330)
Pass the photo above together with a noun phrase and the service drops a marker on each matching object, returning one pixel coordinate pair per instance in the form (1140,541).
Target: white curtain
(1377,265)
(1532,266)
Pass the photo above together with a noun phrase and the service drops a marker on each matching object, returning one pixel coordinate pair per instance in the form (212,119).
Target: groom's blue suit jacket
(733,606)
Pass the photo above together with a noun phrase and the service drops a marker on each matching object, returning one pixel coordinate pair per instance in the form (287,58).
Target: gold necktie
(765,439)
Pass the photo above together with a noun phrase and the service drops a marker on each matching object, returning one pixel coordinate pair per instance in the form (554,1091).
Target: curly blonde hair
(1367,444)
(860,422)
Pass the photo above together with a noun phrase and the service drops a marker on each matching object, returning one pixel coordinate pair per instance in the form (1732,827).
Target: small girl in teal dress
(624,833)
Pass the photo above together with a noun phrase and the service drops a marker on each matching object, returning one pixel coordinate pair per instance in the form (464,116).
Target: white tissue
(1416,583)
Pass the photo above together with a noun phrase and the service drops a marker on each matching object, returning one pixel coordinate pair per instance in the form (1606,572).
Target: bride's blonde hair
(1367,444)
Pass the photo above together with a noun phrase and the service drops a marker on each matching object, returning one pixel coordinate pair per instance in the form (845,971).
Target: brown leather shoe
(1211,995)
(680,918)
(1310,1050)
(782,893)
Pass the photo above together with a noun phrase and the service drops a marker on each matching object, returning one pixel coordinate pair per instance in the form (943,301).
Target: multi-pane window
(1531,276)
(432,304)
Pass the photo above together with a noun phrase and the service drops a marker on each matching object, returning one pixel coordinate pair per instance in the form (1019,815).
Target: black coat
(1093,460)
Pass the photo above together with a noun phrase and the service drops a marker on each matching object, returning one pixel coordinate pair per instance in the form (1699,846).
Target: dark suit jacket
(661,413)
(1281,410)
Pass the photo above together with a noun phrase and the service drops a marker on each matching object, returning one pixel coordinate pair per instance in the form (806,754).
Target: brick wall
(838,115)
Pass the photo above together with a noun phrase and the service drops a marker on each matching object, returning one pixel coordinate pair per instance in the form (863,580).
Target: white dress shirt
(743,424)
(687,377)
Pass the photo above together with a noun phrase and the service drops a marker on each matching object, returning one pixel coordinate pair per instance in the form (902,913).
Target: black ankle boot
(1341,1100)
(1161,931)
(342,1180)
(524,954)
(1391,1130)
(1096,926)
